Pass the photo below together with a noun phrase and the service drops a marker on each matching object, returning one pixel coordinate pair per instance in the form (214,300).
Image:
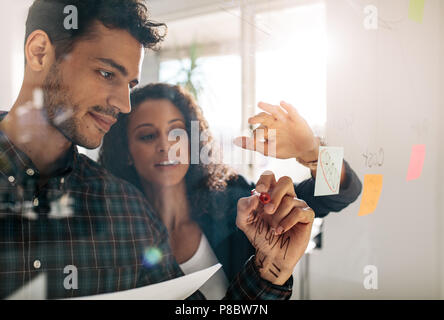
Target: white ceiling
(215,28)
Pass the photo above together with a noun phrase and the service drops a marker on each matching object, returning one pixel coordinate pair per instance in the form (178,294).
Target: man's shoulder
(96,182)
(93,173)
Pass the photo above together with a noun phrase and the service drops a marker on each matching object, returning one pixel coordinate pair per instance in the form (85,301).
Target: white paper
(175,289)
(328,174)
(33,290)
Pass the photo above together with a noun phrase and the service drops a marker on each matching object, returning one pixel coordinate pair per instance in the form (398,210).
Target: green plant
(191,71)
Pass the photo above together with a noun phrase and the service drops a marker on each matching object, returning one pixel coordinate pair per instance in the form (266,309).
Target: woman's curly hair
(200,178)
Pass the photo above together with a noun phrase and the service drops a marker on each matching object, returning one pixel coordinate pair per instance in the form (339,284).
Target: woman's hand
(293,136)
(279,231)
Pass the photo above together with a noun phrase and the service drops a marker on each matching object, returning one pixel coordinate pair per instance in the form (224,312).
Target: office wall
(385,91)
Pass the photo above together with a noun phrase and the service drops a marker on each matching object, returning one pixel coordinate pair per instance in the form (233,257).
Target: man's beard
(59,110)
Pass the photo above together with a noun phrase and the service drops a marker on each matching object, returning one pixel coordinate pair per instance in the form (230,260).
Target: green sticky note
(416,10)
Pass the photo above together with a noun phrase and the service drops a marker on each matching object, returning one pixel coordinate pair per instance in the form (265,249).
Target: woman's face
(148,129)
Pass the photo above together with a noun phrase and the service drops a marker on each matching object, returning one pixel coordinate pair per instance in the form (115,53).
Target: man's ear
(39,51)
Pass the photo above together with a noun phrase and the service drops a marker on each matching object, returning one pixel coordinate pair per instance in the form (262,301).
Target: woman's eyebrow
(174,120)
(144,125)
(151,125)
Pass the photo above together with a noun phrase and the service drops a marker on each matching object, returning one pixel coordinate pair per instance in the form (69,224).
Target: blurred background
(374,91)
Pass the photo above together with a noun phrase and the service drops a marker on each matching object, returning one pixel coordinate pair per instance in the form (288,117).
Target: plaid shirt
(86,218)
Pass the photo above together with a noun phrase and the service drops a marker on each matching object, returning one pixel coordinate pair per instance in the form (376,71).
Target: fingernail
(269,207)
(279,230)
(260,188)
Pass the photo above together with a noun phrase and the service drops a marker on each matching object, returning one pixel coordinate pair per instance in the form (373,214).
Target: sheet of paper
(371,193)
(328,175)
(416,10)
(175,289)
(33,290)
(416,162)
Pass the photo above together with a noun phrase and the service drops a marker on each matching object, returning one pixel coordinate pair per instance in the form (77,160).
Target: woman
(197,202)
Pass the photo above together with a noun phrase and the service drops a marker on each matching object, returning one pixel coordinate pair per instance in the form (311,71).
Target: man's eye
(107,75)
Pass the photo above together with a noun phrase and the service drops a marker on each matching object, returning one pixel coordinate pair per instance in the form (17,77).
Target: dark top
(83,217)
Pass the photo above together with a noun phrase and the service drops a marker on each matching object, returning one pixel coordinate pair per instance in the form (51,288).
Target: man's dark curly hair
(129,15)
(200,178)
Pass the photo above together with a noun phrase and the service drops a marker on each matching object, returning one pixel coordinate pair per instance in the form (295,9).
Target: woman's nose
(163,144)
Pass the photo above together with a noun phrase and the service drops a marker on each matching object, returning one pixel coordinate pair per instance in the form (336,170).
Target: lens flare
(151,257)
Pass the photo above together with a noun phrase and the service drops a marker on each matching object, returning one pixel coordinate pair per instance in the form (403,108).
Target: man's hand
(293,136)
(279,231)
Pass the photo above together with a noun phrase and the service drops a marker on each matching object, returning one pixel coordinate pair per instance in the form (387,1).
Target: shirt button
(11,179)
(36,202)
(30,172)
(37,264)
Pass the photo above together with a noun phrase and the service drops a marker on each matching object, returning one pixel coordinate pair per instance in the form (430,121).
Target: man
(63,215)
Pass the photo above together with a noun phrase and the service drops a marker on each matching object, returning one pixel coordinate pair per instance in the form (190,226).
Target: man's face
(85,92)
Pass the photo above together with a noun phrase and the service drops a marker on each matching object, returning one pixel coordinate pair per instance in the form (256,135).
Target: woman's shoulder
(222,203)
(239,181)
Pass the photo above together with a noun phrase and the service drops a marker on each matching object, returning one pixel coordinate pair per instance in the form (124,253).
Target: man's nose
(121,100)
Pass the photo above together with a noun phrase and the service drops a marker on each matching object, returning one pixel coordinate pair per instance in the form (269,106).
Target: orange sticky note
(416,162)
(371,193)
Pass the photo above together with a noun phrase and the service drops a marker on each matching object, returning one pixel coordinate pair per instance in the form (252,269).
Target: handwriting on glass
(373,159)
(271,239)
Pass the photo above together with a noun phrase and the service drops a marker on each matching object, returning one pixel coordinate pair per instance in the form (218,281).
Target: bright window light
(219,79)
(291,65)
(291,46)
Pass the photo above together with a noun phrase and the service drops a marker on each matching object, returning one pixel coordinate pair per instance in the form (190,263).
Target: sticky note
(371,193)
(328,173)
(416,10)
(416,162)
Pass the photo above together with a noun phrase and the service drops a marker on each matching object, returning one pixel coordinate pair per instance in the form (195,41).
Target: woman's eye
(107,75)
(179,131)
(148,137)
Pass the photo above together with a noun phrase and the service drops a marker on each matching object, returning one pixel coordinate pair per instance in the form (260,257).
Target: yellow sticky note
(416,10)
(371,193)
